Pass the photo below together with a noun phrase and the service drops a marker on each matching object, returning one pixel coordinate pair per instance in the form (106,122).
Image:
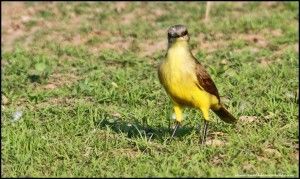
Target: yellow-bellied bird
(187,82)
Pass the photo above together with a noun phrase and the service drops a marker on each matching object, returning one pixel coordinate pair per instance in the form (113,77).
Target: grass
(92,105)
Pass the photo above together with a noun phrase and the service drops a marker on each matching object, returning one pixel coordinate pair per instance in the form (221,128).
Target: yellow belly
(180,82)
(184,91)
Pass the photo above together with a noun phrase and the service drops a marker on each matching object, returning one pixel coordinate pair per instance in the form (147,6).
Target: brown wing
(205,80)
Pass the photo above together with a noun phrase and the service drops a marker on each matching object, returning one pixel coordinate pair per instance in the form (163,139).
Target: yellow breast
(180,80)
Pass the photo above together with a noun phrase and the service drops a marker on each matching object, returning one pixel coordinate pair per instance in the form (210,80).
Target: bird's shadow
(136,129)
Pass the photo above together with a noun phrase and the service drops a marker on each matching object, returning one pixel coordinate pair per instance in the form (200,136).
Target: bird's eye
(184,33)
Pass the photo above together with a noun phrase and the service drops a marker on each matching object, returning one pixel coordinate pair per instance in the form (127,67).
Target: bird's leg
(176,126)
(178,114)
(200,133)
(205,112)
(169,124)
(204,132)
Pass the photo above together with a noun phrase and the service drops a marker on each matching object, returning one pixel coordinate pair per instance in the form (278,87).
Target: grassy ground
(83,76)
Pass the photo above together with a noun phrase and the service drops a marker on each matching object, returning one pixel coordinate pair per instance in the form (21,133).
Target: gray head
(176,32)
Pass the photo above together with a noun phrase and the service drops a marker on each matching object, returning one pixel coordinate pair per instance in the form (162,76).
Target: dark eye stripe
(177,35)
(173,35)
(183,33)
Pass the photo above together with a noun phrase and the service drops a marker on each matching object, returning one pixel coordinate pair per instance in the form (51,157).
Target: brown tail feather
(225,115)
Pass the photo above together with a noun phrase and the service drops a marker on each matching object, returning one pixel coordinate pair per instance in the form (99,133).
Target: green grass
(108,116)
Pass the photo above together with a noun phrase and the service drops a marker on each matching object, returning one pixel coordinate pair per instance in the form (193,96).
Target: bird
(187,83)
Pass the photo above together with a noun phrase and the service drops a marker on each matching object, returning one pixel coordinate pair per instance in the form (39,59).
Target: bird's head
(177,33)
